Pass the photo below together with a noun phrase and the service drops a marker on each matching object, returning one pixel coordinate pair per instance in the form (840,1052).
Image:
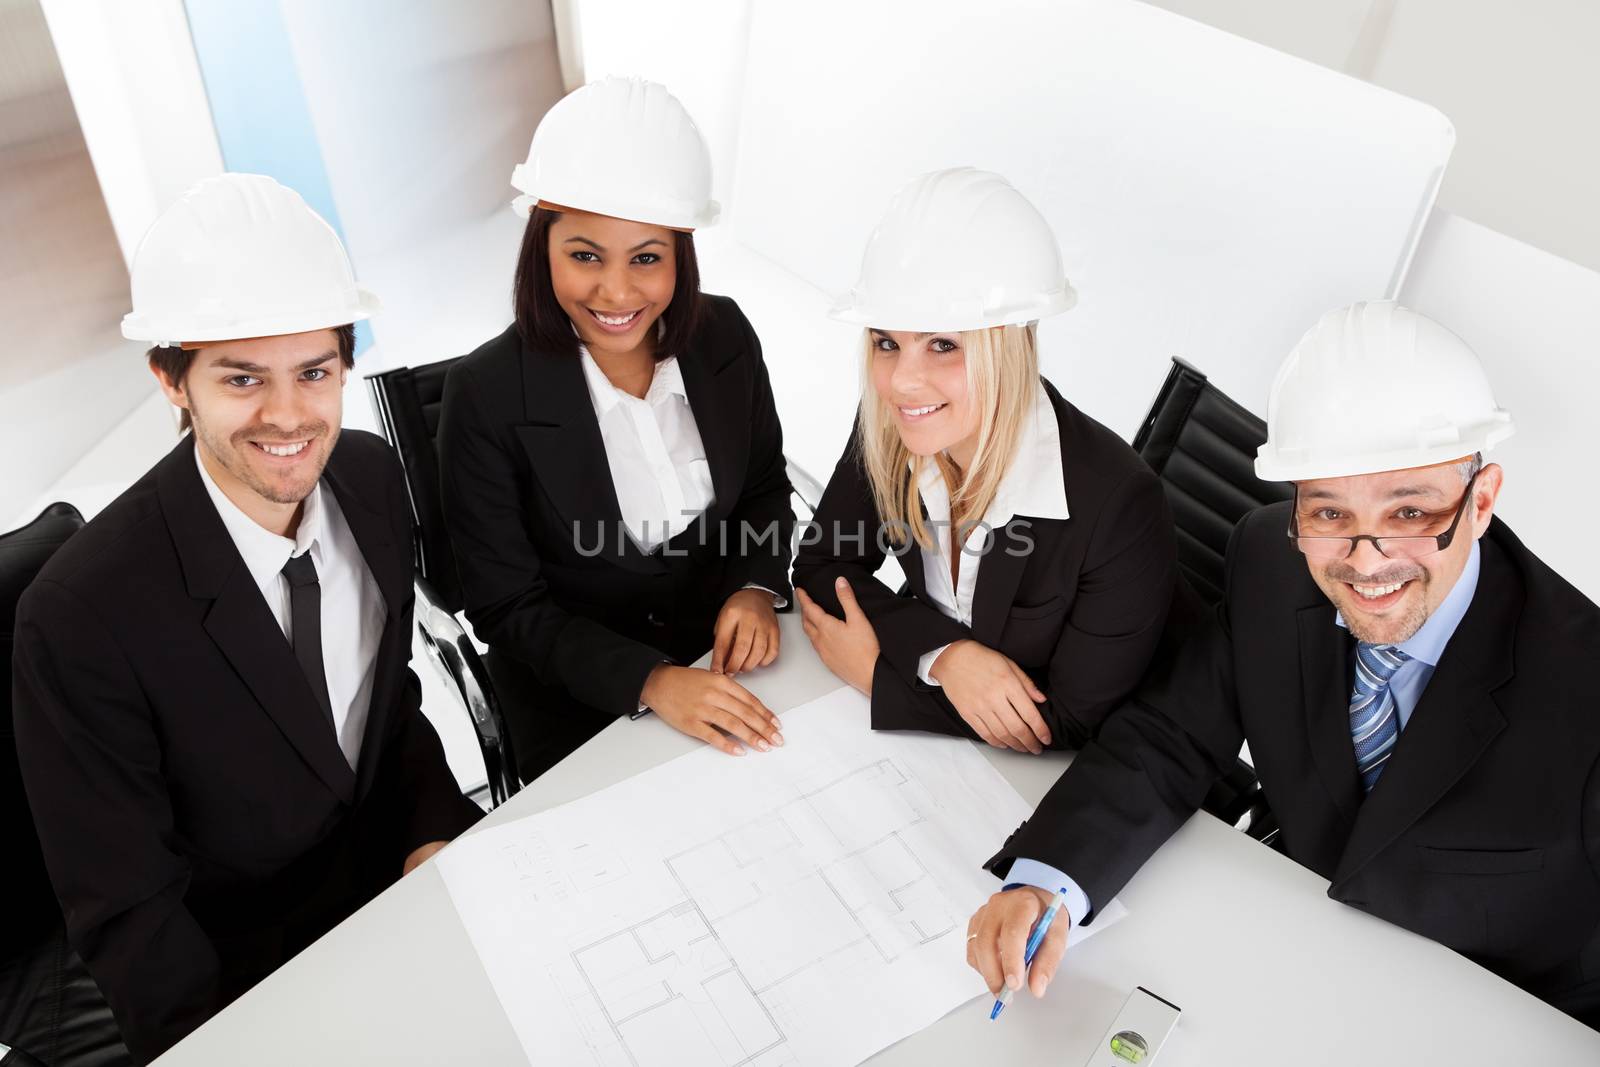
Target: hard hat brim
(850,310)
(522,206)
(176,330)
(1273,465)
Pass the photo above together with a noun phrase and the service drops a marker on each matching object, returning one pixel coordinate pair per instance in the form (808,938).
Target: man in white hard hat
(1413,682)
(220,737)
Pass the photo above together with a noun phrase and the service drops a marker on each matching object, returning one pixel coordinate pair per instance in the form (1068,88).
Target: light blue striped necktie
(1374,720)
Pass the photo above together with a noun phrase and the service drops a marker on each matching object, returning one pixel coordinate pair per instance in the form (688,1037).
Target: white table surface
(1266,968)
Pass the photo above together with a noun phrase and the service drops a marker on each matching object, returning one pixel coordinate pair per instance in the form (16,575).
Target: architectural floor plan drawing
(789,909)
(672,980)
(667,987)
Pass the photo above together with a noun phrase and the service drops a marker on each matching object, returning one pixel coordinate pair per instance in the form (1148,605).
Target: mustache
(271,435)
(1340,572)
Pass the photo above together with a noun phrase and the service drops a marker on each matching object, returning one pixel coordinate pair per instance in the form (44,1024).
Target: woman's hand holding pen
(992,695)
(712,707)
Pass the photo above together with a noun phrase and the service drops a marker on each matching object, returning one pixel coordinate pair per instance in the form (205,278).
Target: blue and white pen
(1035,939)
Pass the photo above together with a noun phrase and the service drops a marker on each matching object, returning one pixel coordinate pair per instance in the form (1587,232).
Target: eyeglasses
(1403,547)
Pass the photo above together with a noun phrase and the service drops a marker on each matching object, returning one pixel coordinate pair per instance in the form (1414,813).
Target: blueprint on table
(805,906)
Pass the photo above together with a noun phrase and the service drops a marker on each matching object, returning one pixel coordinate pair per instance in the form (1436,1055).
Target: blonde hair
(1002,364)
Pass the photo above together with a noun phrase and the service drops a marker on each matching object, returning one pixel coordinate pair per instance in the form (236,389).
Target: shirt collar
(1034,484)
(1427,644)
(263,551)
(666,381)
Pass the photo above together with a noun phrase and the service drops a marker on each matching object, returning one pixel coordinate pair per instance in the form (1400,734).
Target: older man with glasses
(1415,685)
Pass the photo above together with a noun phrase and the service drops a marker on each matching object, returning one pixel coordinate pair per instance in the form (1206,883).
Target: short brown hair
(544,326)
(173,363)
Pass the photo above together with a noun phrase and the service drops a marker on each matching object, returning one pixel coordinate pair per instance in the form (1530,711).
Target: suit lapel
(390,671)
(563,443)
(391,569)
(372,529)
(1325,703)
(911,563)
(239,621)
(1453,723)
(999,576)
(726,438)
(243,627)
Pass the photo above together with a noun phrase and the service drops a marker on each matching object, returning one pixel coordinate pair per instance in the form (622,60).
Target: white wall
(1534,319)
(698,50)
(1180,167)
(102,121)
(1519,80)
(421,110)
(136,87)
(1329,32)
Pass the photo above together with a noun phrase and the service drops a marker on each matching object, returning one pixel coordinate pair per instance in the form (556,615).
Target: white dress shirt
(658,462)
(353,611)
(1033,486)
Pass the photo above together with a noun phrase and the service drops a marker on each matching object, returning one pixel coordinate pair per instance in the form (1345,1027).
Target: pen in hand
(1035,939)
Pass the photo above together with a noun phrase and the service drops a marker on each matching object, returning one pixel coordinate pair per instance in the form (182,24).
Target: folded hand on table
(992,695)
(746,633)
(848,647)
(712,707)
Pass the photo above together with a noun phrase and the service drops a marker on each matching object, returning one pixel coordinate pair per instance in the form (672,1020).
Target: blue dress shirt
(1427,644)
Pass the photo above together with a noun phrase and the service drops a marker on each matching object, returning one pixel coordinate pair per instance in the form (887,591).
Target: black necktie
(305,620)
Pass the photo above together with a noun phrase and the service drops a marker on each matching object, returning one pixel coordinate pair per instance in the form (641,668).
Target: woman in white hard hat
(1022,623)
(612,465)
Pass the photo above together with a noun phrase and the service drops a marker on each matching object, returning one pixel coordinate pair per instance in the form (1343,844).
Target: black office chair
(33,905)
(15,1057)
(48,1003)
(408,401)
(1202,444)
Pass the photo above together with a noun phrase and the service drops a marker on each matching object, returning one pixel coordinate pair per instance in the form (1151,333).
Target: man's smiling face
(266,415)
(1385,598)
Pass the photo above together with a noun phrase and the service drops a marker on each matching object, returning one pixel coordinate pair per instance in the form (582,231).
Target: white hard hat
(623,147)
(958,249)
(240,256)
(1377,387)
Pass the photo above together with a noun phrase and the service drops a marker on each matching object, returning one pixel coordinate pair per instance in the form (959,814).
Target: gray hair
(1470,467)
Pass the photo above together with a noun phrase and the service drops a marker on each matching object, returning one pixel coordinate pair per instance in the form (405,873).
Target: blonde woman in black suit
(1038,549)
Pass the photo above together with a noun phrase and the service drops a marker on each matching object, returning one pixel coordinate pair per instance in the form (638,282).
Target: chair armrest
(1235,795)
(807,488)
(448,639)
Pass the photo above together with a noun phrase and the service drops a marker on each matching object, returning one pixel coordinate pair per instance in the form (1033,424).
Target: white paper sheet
(806,906)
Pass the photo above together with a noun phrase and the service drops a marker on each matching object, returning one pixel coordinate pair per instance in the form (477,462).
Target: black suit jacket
(548,574)
(1483,832)
(198,819)
(1080,603)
